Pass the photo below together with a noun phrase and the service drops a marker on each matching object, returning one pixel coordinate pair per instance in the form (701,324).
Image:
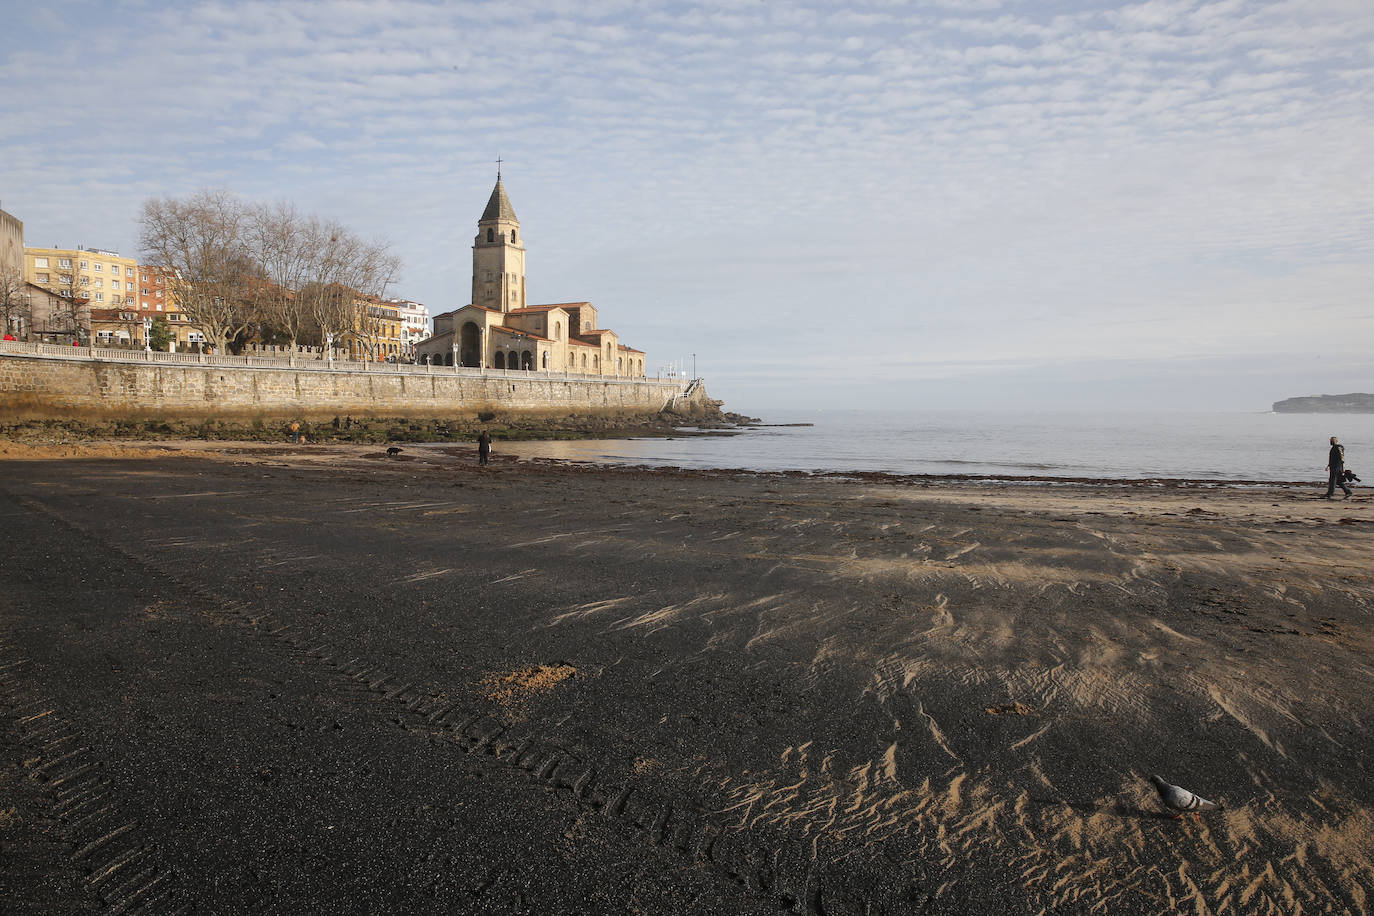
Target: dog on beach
(393,452)
(1349,475)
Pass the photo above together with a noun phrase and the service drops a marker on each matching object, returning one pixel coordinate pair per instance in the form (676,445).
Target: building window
(100,283)
(66,279)
(129,272)
(159,294)
(490,236)
(512,236)
(41,278)
(84,265)
(40,262)
(99,297)
(97,267)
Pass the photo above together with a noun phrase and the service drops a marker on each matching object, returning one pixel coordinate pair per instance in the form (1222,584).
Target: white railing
(304,362)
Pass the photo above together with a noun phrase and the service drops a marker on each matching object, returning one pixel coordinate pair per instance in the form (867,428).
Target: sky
(957,204)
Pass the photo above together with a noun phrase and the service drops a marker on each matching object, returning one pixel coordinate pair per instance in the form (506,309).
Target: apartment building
(414,324)
(98,275)
(376,333)
(11,244)
(144,299)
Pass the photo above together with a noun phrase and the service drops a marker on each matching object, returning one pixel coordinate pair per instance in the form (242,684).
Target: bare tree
(14,302)
(344,269)
(66,310)
(279,242)
(230,266)
(199,243)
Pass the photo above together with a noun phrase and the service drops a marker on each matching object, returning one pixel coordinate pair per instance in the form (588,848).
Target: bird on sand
(1180,799)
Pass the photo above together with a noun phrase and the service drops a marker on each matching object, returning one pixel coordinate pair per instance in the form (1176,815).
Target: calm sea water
(1230,446)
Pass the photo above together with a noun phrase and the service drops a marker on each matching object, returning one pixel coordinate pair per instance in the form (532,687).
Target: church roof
(498,207)
(434,338)
(534,308)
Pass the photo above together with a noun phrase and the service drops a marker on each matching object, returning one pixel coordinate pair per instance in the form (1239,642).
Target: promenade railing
(303,362)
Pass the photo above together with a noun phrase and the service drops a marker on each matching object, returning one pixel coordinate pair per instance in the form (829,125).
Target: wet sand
(275,679)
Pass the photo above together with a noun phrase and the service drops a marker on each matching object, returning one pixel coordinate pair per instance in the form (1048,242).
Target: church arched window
(557,330)
(512,236)
(491,236)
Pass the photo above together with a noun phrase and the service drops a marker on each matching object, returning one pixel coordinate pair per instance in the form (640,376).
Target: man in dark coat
(1335,467)
(483,447)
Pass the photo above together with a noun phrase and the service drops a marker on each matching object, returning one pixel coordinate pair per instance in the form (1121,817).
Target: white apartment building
(414,324)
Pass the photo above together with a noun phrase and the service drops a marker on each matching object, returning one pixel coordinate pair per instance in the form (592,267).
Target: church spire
(498,206)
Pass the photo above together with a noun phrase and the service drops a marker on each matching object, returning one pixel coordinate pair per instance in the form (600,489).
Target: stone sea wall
(84,387)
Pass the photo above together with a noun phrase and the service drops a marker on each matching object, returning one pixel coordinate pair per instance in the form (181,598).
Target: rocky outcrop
(1327,403)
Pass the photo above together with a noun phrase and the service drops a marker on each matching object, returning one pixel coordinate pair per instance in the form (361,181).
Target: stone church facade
(501,330)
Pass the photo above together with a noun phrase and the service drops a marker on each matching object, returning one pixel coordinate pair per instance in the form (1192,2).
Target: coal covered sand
(270,679)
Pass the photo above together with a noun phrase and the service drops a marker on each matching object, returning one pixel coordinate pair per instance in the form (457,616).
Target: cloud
(1004,183)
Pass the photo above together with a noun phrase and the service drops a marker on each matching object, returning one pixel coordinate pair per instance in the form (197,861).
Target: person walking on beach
(483,447)
(1335,469)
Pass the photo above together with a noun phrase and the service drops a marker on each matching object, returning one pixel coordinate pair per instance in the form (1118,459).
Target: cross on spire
(498,168)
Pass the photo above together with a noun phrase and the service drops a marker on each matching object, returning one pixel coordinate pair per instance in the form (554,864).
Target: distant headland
(1327,403)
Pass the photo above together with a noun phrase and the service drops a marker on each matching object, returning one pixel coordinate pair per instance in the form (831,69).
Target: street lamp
(147,334)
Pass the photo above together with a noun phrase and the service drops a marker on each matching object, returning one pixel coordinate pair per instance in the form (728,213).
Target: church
(501,330)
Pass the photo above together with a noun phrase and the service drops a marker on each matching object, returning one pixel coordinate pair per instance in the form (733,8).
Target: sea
(1260,446)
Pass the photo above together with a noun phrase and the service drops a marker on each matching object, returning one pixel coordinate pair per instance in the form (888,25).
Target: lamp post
(329,347)
(148,335)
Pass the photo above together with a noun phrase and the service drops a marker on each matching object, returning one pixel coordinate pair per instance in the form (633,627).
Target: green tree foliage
(160,335)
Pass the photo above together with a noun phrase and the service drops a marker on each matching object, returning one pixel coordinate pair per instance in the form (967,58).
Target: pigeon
(1180,799)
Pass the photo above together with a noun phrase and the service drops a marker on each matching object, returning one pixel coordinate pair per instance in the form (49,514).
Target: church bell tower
(498,255)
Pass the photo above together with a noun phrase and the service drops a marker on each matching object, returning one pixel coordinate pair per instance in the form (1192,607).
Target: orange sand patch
(519,685)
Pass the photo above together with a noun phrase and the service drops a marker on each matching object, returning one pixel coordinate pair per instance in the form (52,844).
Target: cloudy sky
(961,203)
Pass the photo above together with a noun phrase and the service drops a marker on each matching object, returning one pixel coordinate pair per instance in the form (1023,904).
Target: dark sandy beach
(286,680)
